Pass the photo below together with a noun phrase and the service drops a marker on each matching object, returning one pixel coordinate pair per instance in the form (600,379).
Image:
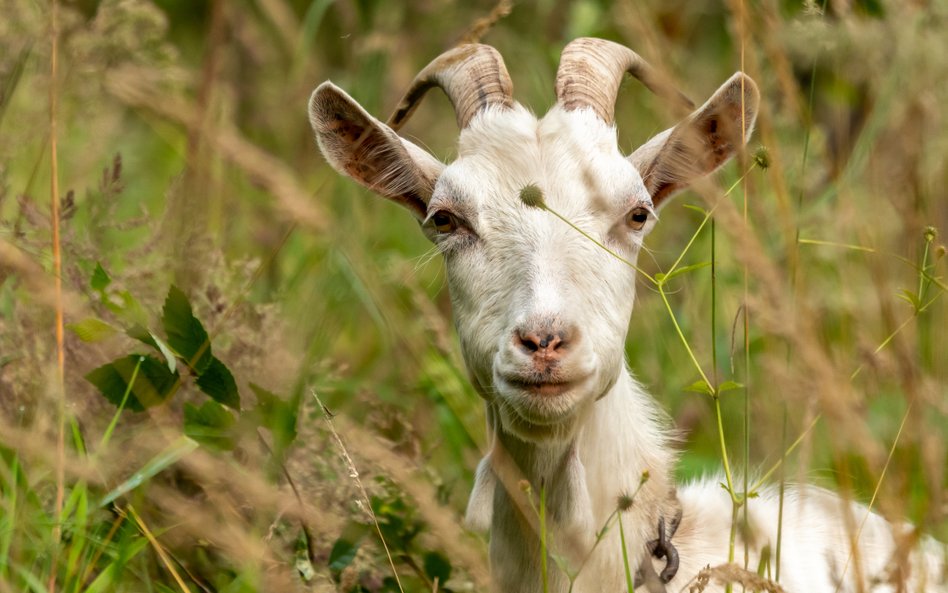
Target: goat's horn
(473,76)
(591,71)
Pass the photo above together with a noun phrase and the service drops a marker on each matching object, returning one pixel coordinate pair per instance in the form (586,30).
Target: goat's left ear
(704,141)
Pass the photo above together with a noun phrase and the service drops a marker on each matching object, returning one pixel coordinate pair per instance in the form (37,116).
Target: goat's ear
(358,145)
(704,141)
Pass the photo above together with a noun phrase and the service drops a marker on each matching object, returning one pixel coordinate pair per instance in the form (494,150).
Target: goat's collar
(660,547)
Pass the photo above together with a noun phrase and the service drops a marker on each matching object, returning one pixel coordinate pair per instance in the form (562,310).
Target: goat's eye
(636,218)
(444,222)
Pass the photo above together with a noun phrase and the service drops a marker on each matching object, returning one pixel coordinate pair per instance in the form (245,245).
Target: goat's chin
(537,416)
(514,423)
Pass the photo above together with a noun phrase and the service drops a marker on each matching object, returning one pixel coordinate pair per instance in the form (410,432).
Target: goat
(542,315)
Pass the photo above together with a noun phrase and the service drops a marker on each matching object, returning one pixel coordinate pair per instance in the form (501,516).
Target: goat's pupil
(442,222)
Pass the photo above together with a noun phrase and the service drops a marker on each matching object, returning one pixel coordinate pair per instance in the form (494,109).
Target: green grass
(306,283)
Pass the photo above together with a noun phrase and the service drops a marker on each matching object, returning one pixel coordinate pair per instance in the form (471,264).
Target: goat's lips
(540,388)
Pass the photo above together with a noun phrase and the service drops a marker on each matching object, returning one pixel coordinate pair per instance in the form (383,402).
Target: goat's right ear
(358,145)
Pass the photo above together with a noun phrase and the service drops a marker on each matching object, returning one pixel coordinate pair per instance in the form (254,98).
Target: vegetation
(257,386)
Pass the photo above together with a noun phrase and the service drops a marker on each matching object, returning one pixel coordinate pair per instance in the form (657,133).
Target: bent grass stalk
(354,474)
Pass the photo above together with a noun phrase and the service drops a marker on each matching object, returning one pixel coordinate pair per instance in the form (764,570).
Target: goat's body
(622,438)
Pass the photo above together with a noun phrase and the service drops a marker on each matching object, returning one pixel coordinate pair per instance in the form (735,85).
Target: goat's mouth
(539,399)
(543,389)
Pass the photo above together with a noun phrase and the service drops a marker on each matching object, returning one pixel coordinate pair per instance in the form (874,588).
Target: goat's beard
(514,423)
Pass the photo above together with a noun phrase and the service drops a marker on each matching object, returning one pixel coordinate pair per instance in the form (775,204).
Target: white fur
(515,266)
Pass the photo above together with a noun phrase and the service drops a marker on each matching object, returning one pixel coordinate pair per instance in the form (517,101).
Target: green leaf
(277,415)
(686,269)
(211,425)
(140,333)
(218,382)
(910,297)
(100,278)
(729,386)
(185,333)
(345,548)
(92,330)
(700,387)
(171,455)
(437,566)
(303,554)
(698,209)
(153,384)
(342,554)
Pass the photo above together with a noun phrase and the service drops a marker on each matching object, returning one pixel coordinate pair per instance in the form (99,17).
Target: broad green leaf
(144,336)
(277,415)
(211,425)
(218,382)
(92,330)
(436,565)
(342,554)
(100,278)
(153,384)
(686,269)
(345,548)
(700,387)
(186,334)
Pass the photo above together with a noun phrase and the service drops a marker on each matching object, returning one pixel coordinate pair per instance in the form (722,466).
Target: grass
(308,284)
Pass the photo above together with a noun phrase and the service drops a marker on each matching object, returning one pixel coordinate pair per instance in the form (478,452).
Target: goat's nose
(543,342)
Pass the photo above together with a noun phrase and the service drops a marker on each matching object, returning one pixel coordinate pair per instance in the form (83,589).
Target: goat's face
(541,309)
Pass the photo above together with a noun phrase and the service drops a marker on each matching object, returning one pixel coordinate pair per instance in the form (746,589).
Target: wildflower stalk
(543,553)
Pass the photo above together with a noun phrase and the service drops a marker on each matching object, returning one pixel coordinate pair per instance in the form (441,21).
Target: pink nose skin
(545,345)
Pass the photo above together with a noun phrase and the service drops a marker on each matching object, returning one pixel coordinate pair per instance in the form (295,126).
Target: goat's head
(542,311)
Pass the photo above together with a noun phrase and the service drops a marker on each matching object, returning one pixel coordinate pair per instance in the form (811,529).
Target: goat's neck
(621,437)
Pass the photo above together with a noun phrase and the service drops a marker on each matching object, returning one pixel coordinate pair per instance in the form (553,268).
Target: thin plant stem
(600,245)
(763,479)
(629,583)
(747,378)
(835,244)
(780,498)
(681,335)
(354,474)
(691,241)
(159,549)
(57,275)
(875,493)
(115,417)
(544,576)
(724,458)
(714,300)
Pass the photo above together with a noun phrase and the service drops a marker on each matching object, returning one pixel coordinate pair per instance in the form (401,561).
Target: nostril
(528,343)
(535,343)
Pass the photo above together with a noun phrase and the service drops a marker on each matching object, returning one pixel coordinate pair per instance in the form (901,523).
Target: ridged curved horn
(473,76)
(591,71)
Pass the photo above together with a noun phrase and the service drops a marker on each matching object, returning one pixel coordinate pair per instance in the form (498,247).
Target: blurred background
(184,159)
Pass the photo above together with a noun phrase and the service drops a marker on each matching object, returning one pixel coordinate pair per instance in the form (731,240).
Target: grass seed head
(532,196)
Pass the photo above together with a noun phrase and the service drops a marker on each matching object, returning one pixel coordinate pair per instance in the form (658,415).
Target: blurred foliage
(186,159)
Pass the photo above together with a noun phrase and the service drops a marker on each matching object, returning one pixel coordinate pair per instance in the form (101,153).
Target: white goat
(542,314)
